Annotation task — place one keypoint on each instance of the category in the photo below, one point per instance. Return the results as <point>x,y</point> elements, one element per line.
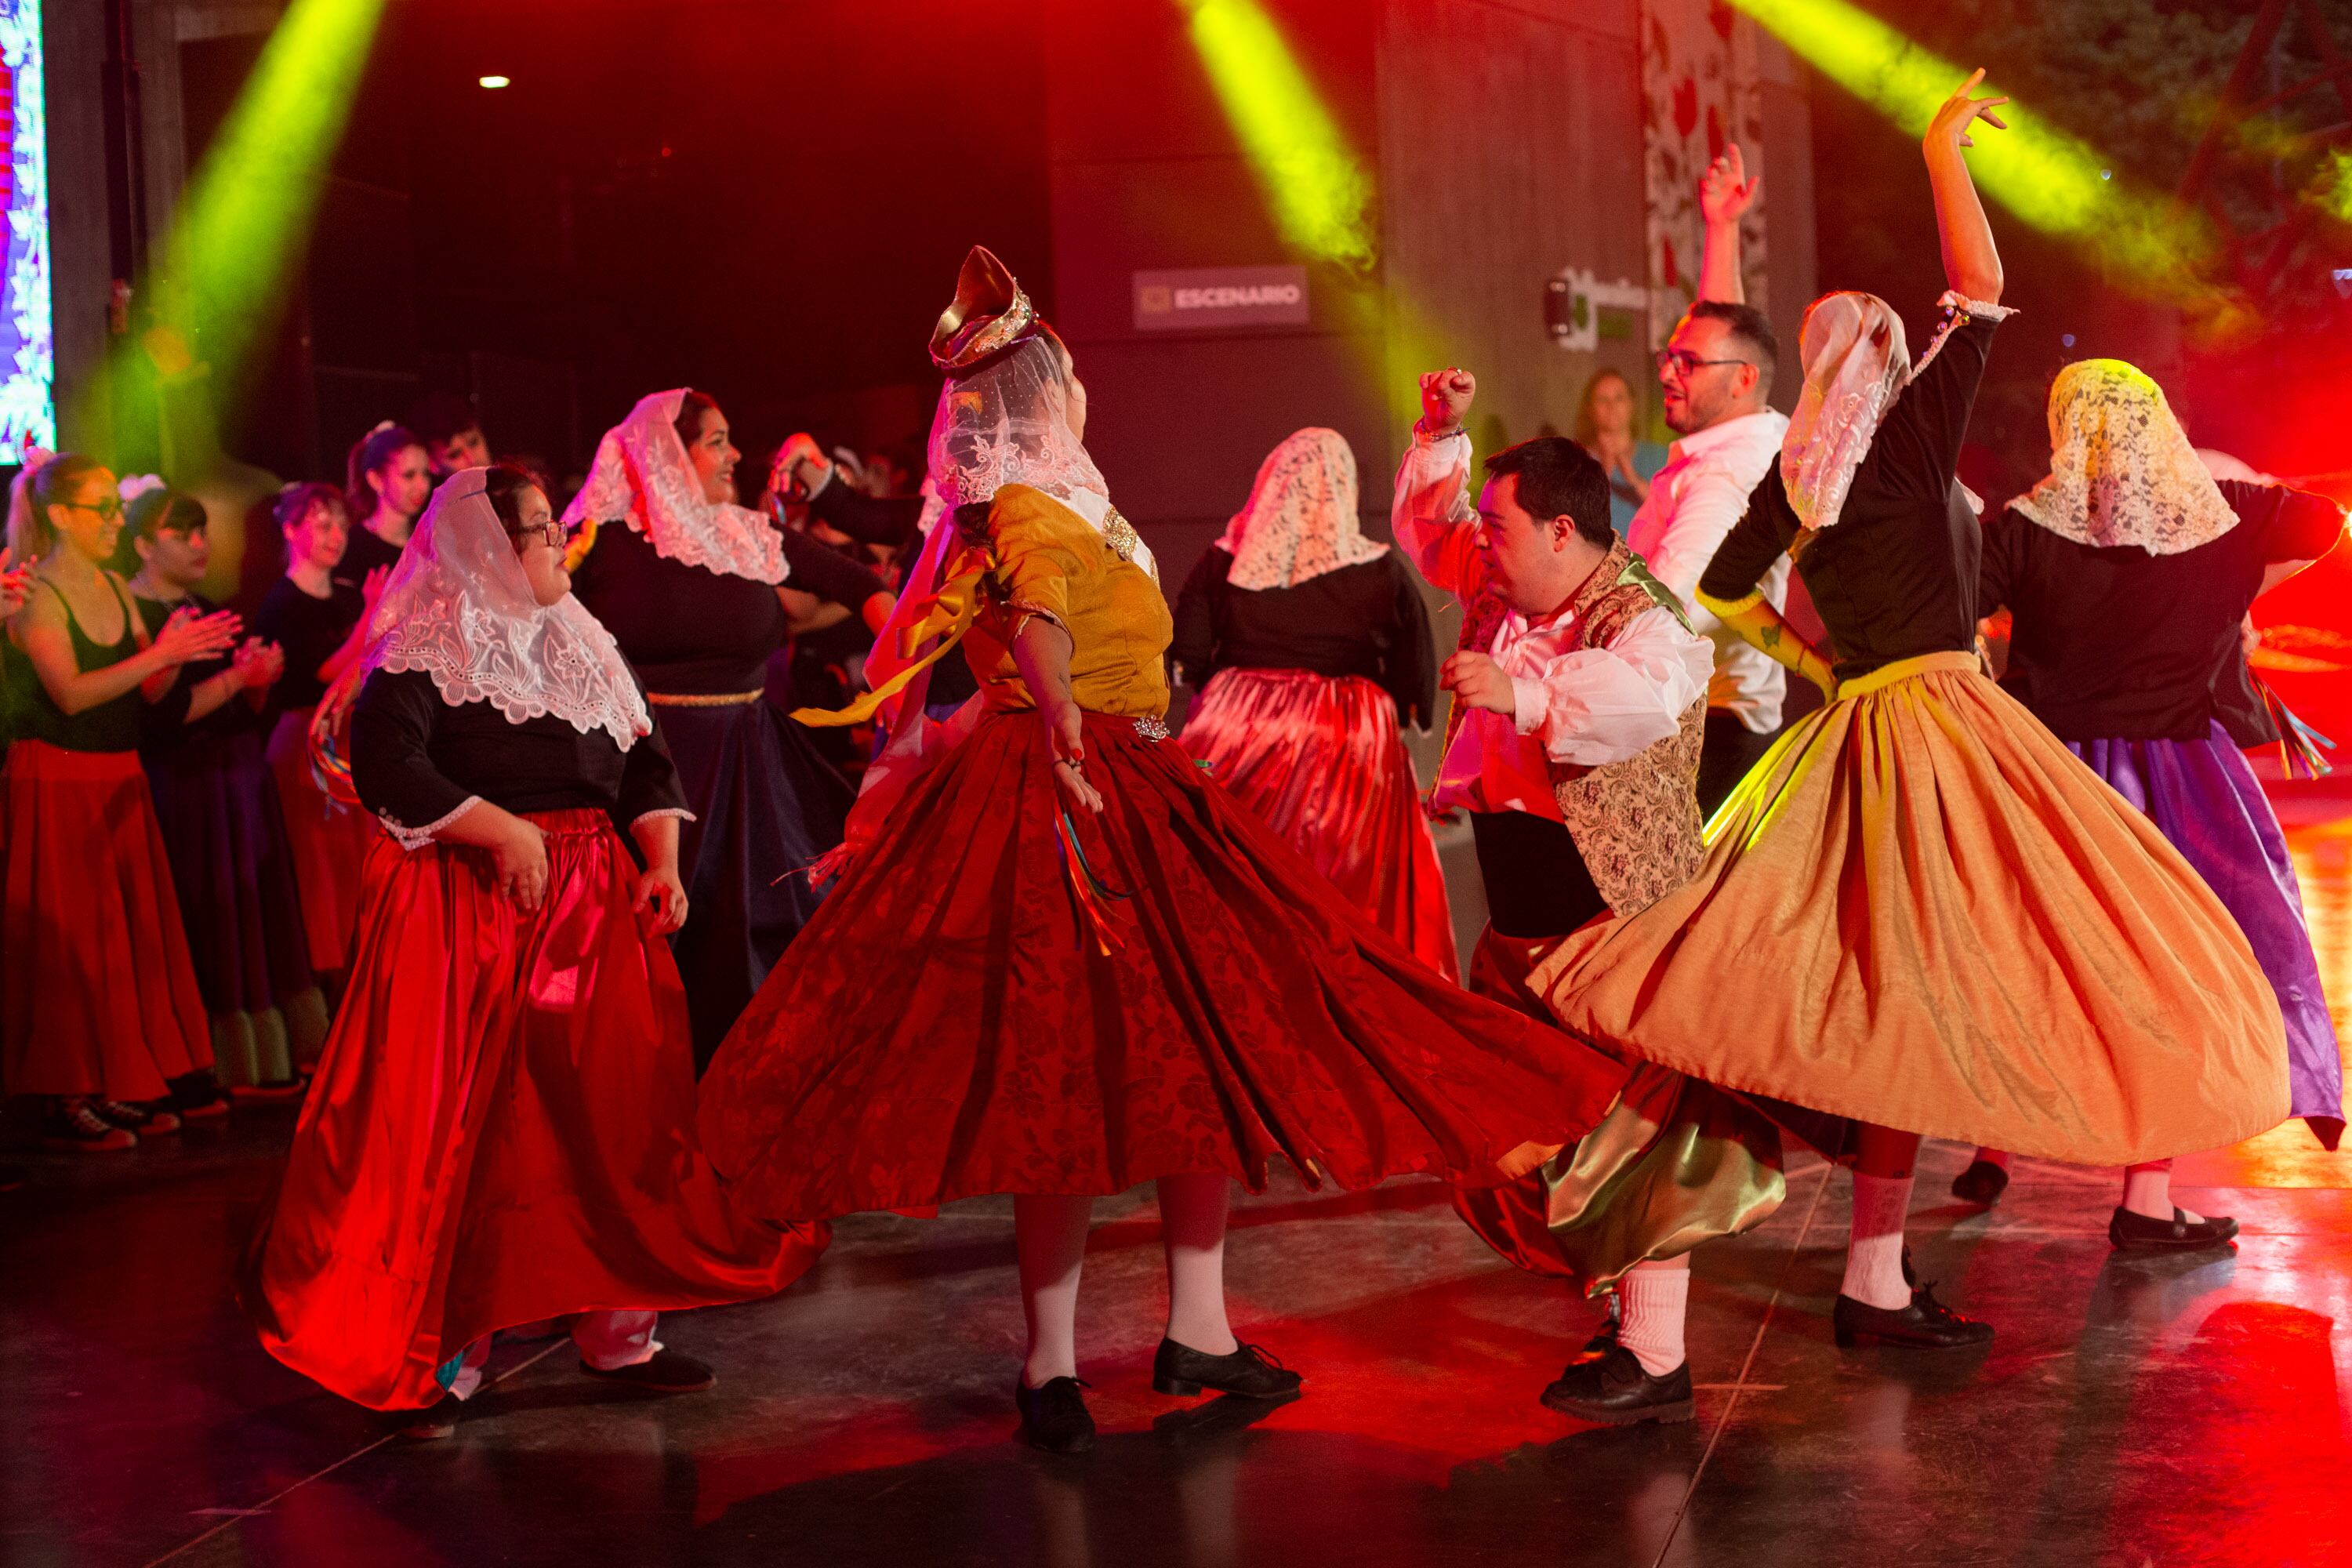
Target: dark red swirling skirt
<point>1319,759</point>
<point>502,1130</point>
<point>948,1025</point>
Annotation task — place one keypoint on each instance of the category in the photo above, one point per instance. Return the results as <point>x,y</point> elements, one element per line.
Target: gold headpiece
<point>988,312</point>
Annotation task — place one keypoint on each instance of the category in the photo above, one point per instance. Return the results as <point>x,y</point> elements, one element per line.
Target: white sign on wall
<point>1223,297</point>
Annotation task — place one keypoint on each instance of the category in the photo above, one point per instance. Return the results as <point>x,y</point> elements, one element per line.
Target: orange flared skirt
<point>1921,910</point>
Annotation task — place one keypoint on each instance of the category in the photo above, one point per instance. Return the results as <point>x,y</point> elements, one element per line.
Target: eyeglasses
<point>1682,363</point>
<point>552,534</point>
<point>107,509</point>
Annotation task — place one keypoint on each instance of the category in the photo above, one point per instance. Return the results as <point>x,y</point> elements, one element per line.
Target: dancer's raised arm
<point>1971,264</point>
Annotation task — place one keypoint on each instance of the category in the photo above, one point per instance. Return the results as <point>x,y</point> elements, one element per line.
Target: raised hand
<point>1445,397</point>
<point>187,635</point>
<point>1950,126</point>
<point>372,590</point>
<point>15,583</point>
<point>1725,191</point>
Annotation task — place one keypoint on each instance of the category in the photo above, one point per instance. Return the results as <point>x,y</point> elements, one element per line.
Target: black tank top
<point>109,727</point>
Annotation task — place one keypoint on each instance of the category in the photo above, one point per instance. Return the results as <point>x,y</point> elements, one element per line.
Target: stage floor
<point>2164,1414</point>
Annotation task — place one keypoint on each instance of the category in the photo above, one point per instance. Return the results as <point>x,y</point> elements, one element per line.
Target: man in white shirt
<point>1715,374</point>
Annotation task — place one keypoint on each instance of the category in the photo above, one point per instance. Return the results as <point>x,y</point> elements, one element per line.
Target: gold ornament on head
<point>988,312</point>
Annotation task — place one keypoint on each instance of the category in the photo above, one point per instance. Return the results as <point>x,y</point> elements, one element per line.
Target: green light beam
<point>1316,188</point>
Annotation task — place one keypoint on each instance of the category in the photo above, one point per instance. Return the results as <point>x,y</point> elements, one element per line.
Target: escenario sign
<point>1221,297</point>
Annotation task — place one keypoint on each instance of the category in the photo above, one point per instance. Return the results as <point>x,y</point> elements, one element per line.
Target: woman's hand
<point>187,637</point>
<point>1950,126</point>
<point>16,585</point>
<point>1067,728</point>
<point>659,901</point>
<point>520,856</point>
<point>251,666</point>
<point>371,591</point>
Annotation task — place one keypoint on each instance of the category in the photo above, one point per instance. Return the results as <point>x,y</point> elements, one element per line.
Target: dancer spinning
<point>502,1130</point>
<point>1309,644</point>
<point>1070,963</point>
<point>2127,572</point>
<point>100,1008</point>
<point>695,588</point>
<point>221,820</point>
<point>1920,911</point>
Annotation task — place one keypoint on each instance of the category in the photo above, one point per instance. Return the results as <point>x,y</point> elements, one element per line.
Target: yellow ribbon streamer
<point>947,616</point>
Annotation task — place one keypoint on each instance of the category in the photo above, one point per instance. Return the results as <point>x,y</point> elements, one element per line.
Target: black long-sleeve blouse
<point>308,631</point>
<point>164,725</point>
<point>692,631</point>
<point>416,759</point>
<point>2116,644</point>
<point>1896,576</point>
<point>870,520</point>
<point>1367,620</point>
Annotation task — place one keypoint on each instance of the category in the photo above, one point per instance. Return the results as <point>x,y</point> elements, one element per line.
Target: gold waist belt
<point>704,699</point>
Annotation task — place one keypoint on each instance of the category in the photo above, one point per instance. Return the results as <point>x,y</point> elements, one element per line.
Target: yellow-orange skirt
<point>1920,910</point>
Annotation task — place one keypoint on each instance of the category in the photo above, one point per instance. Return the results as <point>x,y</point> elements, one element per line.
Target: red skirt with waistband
<point>502,1130</point>
<point>98,995</point>
<point>1318,758</point>
<point>329,841</point>
<point>983,1008</point>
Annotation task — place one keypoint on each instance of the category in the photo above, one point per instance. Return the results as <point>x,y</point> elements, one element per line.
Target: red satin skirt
<point>330,842</point>
<point>955,1021</point>
<point>502,1130</point>
<point>1319,759</point>
<point>98,995</point>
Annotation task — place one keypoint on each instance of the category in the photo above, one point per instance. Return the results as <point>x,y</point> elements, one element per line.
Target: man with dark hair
<point>451,431</point>
<point>1714,372</point>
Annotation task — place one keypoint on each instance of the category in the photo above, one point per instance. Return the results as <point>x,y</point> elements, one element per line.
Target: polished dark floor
<point>2143,1415</point>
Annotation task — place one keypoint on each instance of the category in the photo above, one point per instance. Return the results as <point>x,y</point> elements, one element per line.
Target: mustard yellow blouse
<point>1049,562</point>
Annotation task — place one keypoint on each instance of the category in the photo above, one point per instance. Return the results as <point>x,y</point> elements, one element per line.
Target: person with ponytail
<point>100,1009</point>
<point>389,479</point>
<point>223,826</point>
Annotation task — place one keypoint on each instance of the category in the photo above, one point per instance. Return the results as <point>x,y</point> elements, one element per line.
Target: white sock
<point>1874,1255</point>
<point>2148,1191</point>
<point>1652,1300</point>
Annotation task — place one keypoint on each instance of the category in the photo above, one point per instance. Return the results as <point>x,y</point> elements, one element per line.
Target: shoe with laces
<point>74,1126</point>
<point>1250,1371</point>
<point>146,1118</point>
<point>1055,1417</point>
<point>1613,1389</point>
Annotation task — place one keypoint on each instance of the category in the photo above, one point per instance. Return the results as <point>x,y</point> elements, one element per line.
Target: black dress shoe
<point>2130,1232</point>
<point>1249,1372</point>
<point>667,1373</point>
<point>1926,1324</point>
<point>1055,1417</point>
<point>1982,1183</point>
<point>1613,1390</point>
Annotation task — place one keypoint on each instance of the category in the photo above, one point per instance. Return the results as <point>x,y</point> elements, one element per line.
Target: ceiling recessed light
<point>494,81</point>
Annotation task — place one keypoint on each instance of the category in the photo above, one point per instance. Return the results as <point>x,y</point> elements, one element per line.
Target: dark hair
<point>441,415</point>
<point>1588,428</point>
<point>690,410</point>
<point>1559,479</point>
<point>295,501</point>
<point>504,483</point>
<point>369,454</point>
<point>1751,326</point>
<point>28,522</point>
<point>161,510</point>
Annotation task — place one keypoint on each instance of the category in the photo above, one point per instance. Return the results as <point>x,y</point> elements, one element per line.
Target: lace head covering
<point>1300,520</point>
<point>1007,422</point>
<point>460,608</point>
<point>2121,469</point>
<point>1855,363</point>
<point>643,474</point>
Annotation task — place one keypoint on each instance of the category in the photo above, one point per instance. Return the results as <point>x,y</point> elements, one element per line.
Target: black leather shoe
<point>2130,1232</point>
<point>1250,1371</point>
<point>1982,1183</point>
<point>1613,1390</point>
<point>1926,1324</point>
<point>1055,1417</point>
<point>667,1373</point>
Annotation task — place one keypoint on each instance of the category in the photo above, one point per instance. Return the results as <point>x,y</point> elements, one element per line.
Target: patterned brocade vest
<point>1636,822</point>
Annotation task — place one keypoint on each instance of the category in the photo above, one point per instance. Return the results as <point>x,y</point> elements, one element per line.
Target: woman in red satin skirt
<point>1307,644</point>
<point>501,1129</point>
<point>99,1005</point>
<point>1070,963</point>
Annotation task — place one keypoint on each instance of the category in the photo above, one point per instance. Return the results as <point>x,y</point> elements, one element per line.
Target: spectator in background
<point>389,478</point>
<point>1604,427</point>
<point>451,431</point>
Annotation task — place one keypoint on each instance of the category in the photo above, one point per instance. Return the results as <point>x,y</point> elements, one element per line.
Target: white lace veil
<point>1300,520</point>
<point>460,608</point>
<point>1857,362</point>
<point>1008,423</point>
<point>643,474</point>
<point>2121,469</point>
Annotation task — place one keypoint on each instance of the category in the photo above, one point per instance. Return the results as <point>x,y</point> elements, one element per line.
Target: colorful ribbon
<point>1086,889</point>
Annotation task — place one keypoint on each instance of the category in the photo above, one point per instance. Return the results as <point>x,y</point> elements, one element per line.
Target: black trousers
<point>1537,884</point>
<point>1729,750</point>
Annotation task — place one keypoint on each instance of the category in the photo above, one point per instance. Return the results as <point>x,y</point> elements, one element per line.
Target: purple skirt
<point>2204,798</point>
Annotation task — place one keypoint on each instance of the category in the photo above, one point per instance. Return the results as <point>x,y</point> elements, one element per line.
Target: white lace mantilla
<point>643,475</point>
